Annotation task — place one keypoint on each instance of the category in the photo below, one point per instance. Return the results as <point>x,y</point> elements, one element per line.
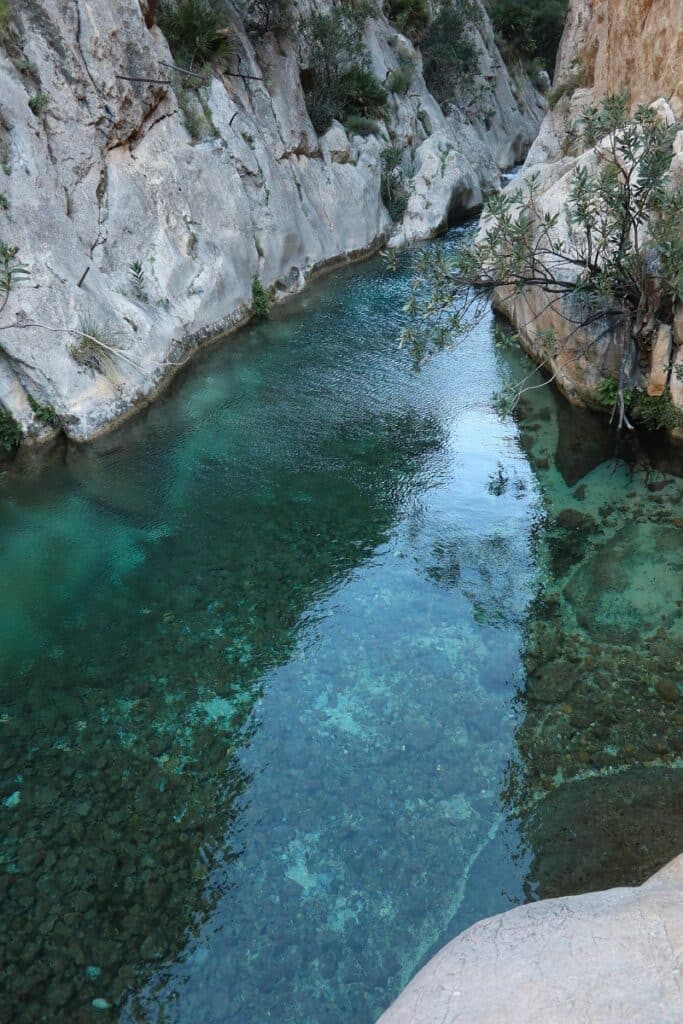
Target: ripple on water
<point>295,668</point>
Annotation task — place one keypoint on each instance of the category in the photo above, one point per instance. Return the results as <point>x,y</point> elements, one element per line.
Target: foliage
<point>12,271</point>
<point>338,82</point>
<point>4,21</point>
<point>196,31</point>
<point>44,413</point>
<point>394,186</point>
<point>656,413</point>
<point>356,124</point>
<point>10,431</point>
<point>529,29</point>
<point>575,80</point>
<point>625,231</point>
<point>399,79</point>
<point>4,202</point>
<point>38,103</point>
<point>263,16</point>
<point>136,276</point>
<point>450,56</point>
<point>260,300</point>
<point>412,17</point>
<point>90,351</point>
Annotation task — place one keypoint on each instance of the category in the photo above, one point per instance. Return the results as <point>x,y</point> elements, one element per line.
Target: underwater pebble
<point>101,1004</point>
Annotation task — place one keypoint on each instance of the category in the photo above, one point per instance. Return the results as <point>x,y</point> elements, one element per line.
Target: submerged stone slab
<point>607,957</point>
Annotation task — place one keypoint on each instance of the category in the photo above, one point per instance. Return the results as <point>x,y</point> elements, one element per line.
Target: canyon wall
<point>106,161</point>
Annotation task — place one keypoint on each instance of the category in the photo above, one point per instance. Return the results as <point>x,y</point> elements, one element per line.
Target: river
<point>316,662</point>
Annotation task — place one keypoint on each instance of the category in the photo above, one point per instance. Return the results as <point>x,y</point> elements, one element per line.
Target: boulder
<point>607,957</point>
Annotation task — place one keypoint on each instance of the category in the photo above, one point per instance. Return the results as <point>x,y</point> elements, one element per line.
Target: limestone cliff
<point>100,171</point>
<point>607,46</point>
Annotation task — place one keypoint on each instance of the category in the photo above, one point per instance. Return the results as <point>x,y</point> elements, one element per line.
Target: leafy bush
<point>411,17</point>
<point>260,300</point>
<point>623,268</point>
<point>355,124</point>
<point>656,413</point>
<point>10,431</point>
<point>338,82</point>
<point>196,31</point>
<point>362,93</point>
<point>38,103</point>
<point>529,29</point>
<point>4,202</point>
<point>394,185</point>
<point>399,79</point>
<point>44,413</point>
<point>264,16</point>
<point>450,55</point>
<point>4,21</point>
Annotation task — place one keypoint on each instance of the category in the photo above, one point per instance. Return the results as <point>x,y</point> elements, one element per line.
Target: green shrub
<point>10,431</point>
<point>356,124</point>
<point>362,93</point>
<point>4,202</point>
<point>4,21</point>
<point>656,413</point>
<point>411,17</point>
<point>88,351</point>
<point>394,186</point>
<point>529,29</point>
<point>399,79</point>
<point>338,82</point>
<point>44,413</point>
<point>38,103</point>
<point>196,31</point>
<point>450,55</point>
<point>260,300</point>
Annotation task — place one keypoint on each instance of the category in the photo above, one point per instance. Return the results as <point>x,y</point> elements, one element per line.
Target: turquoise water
<point>316,662</point>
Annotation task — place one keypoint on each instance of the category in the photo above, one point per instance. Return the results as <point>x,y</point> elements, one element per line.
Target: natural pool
<point>318,661</point>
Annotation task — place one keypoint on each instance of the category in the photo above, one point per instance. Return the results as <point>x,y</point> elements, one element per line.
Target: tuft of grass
<point>399,79</point>
<point>44,413</point>
<point>196,30</point>
<point>356,124</point>
<point>88,351</point>
<point>10,431</point>
<point>260,300</point>
<point>38,103</point>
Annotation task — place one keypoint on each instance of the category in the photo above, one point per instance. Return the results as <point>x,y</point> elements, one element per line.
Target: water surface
<point>315,663</point>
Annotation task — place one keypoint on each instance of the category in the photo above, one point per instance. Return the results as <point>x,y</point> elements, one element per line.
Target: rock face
<point>99,171</point>
<point>607,46</point>
<point>607,957</point>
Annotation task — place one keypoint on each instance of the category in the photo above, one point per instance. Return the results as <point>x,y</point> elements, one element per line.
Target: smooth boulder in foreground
<point>602,958</point>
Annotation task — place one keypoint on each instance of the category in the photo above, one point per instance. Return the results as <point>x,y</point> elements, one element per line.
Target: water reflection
<point>592,789</point>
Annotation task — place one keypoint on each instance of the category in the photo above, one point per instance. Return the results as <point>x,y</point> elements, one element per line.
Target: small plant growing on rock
<point>136,276</point>
<point>44,413</point>
<point>4,202</point>
<point>91,349</point>
<point>356,124</point>
<point>196,30</point>
<point>12,271</point>
<point>260,300</point>
<point>399,79</point>
<point>394,186</point>
<point>38,103</point>
<point>411,17</point>
<point>10,431</point>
